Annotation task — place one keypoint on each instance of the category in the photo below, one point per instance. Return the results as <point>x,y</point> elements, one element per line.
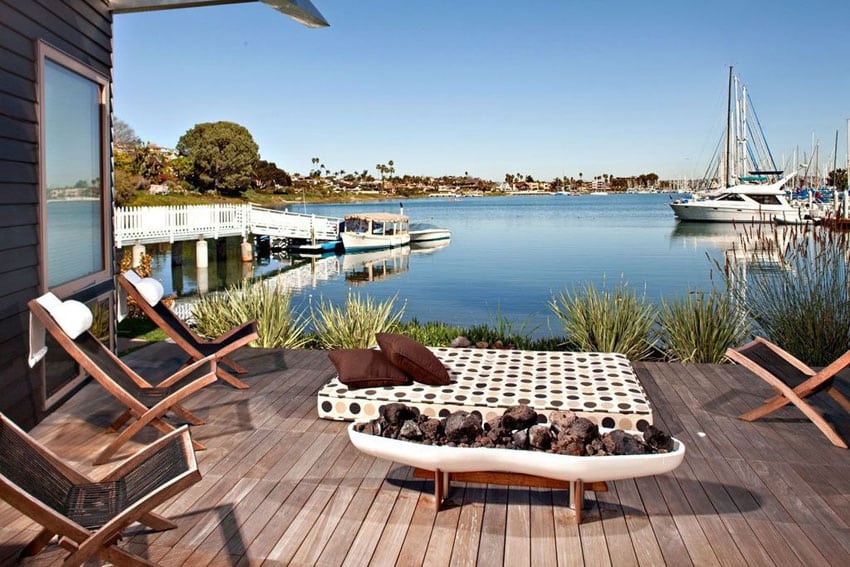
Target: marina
<point>506,255</point>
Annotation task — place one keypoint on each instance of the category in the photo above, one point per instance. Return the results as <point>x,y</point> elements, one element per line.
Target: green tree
<point>270,176</point>
<point>837,178</point>
<point>223,155</point>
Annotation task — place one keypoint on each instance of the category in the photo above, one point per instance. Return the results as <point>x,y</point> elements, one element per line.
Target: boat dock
<point>150,225</point>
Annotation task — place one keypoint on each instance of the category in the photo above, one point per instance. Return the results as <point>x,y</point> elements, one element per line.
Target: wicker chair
<point>145,402</point>
<point>195,346</point>
<point>87,515</point>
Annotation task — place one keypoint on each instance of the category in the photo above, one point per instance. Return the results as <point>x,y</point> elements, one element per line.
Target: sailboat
<point>751,187</point>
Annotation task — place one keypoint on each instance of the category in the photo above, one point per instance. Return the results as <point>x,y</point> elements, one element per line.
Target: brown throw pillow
<point>366,368</point>
<point>414,359</point>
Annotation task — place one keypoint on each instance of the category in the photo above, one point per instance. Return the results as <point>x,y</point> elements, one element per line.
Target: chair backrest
<point>93,356</point>
<point>161,315</point>
<point>23,467</point>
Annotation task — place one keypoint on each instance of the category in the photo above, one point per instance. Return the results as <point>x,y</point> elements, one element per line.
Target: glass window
<point>74,158</point>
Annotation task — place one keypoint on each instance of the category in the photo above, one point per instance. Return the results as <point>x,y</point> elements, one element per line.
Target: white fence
<point>147,225</point>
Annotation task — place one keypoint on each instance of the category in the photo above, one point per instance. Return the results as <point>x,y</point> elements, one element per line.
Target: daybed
<point>602,387</point>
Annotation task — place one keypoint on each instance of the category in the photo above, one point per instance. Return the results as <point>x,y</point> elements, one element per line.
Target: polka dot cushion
<point>600,386</point>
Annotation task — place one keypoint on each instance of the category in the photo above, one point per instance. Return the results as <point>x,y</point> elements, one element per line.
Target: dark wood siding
<point>83,30</point>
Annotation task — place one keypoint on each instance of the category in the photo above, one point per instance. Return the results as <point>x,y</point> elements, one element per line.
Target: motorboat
<point>742,203</point>
<point>424,232</point>
<point>373,231</point>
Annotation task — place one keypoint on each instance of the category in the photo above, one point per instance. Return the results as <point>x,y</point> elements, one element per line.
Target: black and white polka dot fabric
<point>600,386</point>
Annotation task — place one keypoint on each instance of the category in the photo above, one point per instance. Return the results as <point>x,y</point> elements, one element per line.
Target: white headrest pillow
<point>72,316</point>
<point>148,288</point>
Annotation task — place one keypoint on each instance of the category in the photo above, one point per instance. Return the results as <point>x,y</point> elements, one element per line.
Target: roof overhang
<point>299,10</point>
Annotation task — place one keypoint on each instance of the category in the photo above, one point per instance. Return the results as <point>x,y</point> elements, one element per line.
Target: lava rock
<point>584,429</point>
<point>520,439</point>
<point>539,437</point>
<point>658,441</point>
<point>566,444</point>
<point>461,342</point>
<point>562,420</point>
<point>482,345</point>
<point>398,413</point>
<point>463,427</point>
<point>432,429</point>
<point>519,417</point>
<point>410,430</point>
<point>618,442</point>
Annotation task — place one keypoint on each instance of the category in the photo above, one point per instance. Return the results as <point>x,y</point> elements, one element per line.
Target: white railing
<point>148,225</point>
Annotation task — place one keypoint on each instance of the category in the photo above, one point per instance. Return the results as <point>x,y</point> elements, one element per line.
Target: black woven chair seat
<point>93,505</point>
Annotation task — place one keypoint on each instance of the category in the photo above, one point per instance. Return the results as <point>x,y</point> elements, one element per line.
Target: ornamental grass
<point>355,324</point>
<point>278,325</point>
<point>604,320</point>
<point>701,326</point>
<point>794,283</point>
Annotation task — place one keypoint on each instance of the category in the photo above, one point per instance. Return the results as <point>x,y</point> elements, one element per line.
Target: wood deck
<point>282,487</point>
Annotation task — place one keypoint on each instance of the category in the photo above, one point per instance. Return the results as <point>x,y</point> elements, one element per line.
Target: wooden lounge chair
<point>145,402</point>
<point>195,346</point>
<point>793,380</point>
<point>88,515</point>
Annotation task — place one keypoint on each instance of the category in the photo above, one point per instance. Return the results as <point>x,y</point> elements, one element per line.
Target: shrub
<point>432,333</point>
<point>606,321</point>
<point>700,327</point>
<point>798,291</point>
<point>355,324</point>
<point>277,324</point>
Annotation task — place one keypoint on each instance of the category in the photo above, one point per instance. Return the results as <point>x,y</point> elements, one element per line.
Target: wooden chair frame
<point>816,382</point>
<point>194,376</point>
<point>86,543</point>
<point>195,346</point>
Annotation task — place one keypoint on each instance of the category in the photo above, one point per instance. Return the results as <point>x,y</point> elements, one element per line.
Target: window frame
<point>85,285</point>
<point>48,52</point>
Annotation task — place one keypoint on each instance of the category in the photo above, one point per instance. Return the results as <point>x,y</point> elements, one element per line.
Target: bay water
<point>506,258</point>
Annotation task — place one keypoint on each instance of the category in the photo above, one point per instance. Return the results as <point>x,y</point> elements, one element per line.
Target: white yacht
<point>425,232</point>
<point>743,203</point>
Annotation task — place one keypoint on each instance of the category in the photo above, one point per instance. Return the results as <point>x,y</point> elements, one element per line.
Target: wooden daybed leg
<point>577,497</point>
<point>438,489</point>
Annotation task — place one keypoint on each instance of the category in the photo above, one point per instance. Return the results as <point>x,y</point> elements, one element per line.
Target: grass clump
<point>701,326</point>
<point>799,292</point>
<point>606,320</point>
<point>278,325</point>
<point>355,324</point>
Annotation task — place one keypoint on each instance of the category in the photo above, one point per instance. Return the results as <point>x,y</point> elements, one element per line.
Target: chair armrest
<point>188,369</point>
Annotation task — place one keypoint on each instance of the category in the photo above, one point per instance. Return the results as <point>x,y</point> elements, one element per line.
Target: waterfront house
<point>56,176</point>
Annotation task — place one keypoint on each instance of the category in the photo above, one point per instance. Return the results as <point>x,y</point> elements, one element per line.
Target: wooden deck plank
<point>468,534</point>
<point>517,527</point>
<point>542,527</point>
<point>281,487</point>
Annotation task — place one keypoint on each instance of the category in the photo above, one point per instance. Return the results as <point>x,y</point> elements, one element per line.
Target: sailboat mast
<point>728,128</point>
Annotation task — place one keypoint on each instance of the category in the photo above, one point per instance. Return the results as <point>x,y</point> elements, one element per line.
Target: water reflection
<point>375,265</point>
<point>428,246</point>
<point>755,245</point>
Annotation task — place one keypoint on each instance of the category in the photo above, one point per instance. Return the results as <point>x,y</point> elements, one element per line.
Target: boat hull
<point>358,242</point>
<point>705,211</point>
<point>429,235</point>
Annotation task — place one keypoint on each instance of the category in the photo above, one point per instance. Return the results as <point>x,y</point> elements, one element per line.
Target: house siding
<point>83,30</point>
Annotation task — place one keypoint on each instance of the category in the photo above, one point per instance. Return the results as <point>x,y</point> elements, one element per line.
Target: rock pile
<point>519,427</point>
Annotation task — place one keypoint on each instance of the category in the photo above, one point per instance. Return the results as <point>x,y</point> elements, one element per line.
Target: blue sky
<point>546,88</point>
